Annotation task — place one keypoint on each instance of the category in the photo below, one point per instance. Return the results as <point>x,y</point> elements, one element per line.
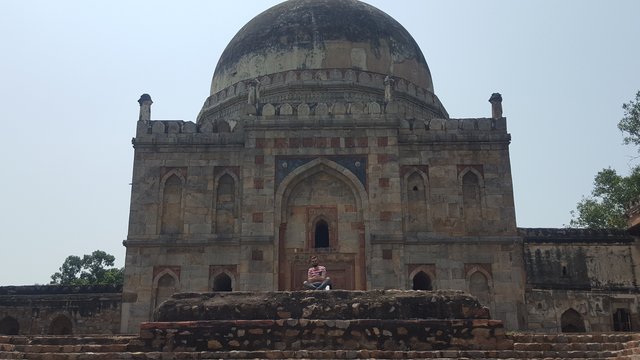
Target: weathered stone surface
<point>383,335</point>
<point>330,305</point>
<point>60,309</point>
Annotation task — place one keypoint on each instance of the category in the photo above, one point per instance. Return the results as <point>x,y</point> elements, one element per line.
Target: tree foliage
<point>609,200</point>
<point>89,270</point>
<point>630,123</point>
<point>613,193</point>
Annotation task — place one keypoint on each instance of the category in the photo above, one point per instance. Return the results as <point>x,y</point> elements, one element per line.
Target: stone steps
<point>525,346</point>
<point>574,338</point>
<point>66,339</point>
<point>325,354</point>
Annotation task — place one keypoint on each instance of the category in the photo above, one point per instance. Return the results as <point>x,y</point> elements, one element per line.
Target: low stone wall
<point>60,310</point>
<point>296,334</point>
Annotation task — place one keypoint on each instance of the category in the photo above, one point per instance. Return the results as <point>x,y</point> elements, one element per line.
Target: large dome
<point>321,34</point>
<point>319,54</point>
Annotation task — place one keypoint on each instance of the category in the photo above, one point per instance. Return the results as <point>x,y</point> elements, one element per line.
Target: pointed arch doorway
<point>321,212</point>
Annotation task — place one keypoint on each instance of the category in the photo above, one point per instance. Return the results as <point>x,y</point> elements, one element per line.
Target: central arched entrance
<point>321,213</point>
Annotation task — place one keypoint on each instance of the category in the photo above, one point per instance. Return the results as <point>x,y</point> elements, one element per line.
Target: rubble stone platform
<point>390,320</point>
<point>333,305</point>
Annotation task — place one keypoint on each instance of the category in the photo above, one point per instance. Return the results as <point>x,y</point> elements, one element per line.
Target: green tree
<point>96,268</point>
<point>630,123</point>
<point>609,200</point>
<point>613,193</point>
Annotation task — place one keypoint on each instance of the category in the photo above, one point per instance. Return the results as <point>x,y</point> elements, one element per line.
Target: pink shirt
<point>316,271</point>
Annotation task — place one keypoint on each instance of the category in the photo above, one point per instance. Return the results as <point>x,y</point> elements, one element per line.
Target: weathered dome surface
<point>321,34</point>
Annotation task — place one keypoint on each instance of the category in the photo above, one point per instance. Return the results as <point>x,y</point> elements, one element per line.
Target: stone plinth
<point>332,305</point>
<point>304,334</point>
<point>306,320</point>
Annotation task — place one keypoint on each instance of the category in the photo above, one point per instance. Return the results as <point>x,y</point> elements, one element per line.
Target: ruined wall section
<point>60,309</point>
<point>597,309</point>
<point>580,259</point>
<point>588,273</point>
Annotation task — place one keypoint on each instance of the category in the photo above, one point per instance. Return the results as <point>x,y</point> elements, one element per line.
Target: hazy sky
<point>71,73</point>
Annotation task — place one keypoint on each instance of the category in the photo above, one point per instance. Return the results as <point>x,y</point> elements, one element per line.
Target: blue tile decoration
<point>356,164</point>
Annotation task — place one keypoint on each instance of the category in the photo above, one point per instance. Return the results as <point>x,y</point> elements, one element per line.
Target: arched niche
<point>165,284</point>
<point>471,184</point>
<point>226,203</point>
<point>9,326</point>
<point>479,287</point>
<point>61,325</point>
<point>422,277</point>
<point>222,282</point>
<point>571,322</point>
<point>317,200</point>
<point>416,201</point>
<point>171,203</point>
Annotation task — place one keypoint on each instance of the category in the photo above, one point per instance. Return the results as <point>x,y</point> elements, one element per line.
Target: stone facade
<point>581,280</point>
<point>333,143</point>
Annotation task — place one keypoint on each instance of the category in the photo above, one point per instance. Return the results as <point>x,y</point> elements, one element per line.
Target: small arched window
<point>222,282</point>
<point>422,281</point>
<point>321,235</point>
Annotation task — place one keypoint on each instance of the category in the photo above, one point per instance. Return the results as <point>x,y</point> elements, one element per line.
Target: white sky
<point>71,73</point>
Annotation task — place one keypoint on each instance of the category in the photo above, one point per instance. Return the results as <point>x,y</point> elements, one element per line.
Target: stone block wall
<point>585,279</point>
<point>453,265</point>
<point>60,310</point>
<point>598,311</point>
<point>580,259</point>
<point>309,334</point>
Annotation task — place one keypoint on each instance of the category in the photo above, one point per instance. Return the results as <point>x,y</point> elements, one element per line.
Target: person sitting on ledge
<point>317,278</point>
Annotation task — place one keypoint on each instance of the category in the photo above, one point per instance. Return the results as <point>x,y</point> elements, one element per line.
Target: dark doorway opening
<point>322,234</point>
<point>621,320</point>
<point>9,326</point>
<point>571,321</point>
<point>422,281</point>
<point>222,282</point>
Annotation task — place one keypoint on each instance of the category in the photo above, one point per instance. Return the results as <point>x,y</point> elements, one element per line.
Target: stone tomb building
<point>322,135</point>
